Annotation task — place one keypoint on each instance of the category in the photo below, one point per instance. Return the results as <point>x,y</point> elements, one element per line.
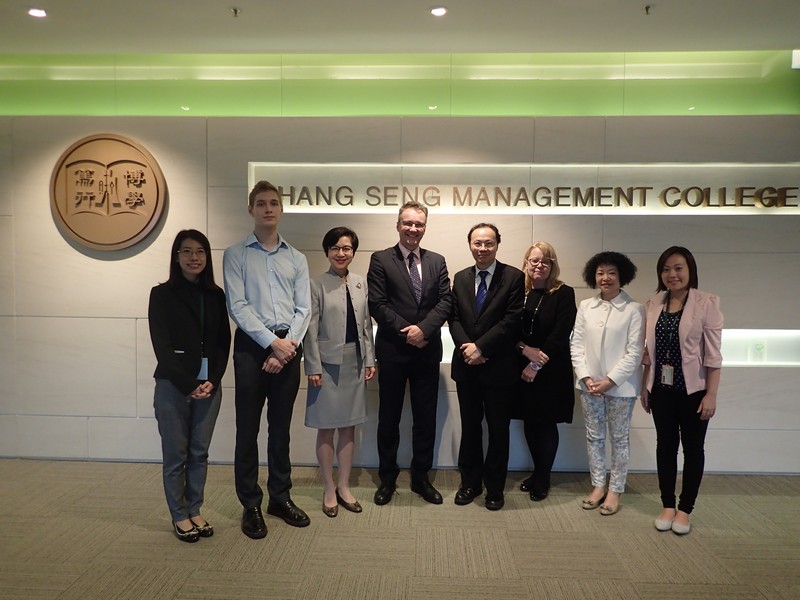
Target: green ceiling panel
<point>619,84</point>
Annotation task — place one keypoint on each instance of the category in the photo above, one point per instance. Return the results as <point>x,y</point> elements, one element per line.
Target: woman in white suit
<point>681,376</point>
<point>339,360</point>
<point>606,348</point>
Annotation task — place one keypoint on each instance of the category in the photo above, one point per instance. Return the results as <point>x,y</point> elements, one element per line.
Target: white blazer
<point>608,341</point>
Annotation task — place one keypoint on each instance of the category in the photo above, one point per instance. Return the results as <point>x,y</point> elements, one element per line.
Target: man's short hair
<point>260,187</point>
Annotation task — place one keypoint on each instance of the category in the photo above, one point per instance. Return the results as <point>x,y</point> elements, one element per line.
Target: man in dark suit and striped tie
<point>410,299</point>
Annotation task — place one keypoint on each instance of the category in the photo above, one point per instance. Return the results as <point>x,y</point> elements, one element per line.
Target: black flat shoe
<point>253,525</point>
<point>526,484</point>
<point>289,512</point>
<point>203,530</point>
<point>351,506</point>
<point>190,536</point>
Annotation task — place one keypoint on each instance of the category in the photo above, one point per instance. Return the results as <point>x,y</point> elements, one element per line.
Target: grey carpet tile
<point>128,582</point>
<point>545,588</point>
<point>444,588</point>
<point>376,551</point>
<point>566,556</point>
<point>732,516</point>
<point>464,553</point>
<point>655,556</point>
<point>32,580</point>
<point>779,591</point>
<point>756,570</point>
<point>353,586</point>
<point>682,591</point>
<point>265,584</point>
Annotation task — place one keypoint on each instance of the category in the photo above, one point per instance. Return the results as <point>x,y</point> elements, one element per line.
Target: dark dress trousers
<point>487,389</point>
<point>393,306</point>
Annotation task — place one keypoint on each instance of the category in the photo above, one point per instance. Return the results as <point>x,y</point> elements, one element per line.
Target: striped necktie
<point>416,280</point>
<point>480,297</point>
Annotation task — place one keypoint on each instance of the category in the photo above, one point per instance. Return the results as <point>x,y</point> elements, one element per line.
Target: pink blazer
<point>700,334</point>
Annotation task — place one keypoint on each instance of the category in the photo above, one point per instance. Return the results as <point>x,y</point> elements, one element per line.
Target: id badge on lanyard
<point>667,374</point>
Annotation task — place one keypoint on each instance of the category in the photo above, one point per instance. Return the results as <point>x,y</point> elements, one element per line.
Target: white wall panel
<point>75,366</point>
<point>232,142</point>
<point>564,140</point>
<point>702,139</point>
<point>7,282</point>
<point>52,437</point>
<point>443,140</point>
<point>124,439</point>
<point>83,314</point>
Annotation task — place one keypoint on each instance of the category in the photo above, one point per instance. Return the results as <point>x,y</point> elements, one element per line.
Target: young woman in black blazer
<point>191,337</point>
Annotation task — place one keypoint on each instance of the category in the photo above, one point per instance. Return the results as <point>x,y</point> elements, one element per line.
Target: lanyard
<point>672,320</point>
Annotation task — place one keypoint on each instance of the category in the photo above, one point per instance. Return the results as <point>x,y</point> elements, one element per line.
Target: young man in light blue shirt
<point>269,299</point>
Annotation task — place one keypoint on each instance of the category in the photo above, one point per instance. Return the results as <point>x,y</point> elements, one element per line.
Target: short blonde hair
<point>547,250</point>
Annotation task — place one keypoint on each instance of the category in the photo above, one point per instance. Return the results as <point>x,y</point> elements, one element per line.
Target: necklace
<point>535,310</point>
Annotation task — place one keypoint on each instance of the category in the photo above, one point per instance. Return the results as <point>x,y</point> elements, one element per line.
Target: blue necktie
<point>416,281</point>
<point>480,297</point>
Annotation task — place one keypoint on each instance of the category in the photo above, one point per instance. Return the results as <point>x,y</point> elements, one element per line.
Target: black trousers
<point>423,380</point>
<point>476,401</point>
<point>254,386</point>
<point>676,419</point>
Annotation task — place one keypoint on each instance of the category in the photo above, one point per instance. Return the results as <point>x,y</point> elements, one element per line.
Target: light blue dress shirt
<point>267,290</point>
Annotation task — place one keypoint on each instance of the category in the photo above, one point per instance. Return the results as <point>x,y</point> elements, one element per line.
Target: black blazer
<point>494,330</point>
<point>174,319</point>
<point>393,306</point>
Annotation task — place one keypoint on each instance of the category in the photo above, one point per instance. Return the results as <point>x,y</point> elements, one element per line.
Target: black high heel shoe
<point>190,536</point>
<point>203,530</point>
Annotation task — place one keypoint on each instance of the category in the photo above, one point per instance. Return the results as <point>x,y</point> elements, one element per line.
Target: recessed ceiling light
<point>39,13</point>
<point>690,108</point>
<point>438,11</point>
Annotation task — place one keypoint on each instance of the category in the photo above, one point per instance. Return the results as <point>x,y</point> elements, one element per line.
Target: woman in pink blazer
<point>682,360</point>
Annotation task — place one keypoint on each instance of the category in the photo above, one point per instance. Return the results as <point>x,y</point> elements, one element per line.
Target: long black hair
<point>206,278</point>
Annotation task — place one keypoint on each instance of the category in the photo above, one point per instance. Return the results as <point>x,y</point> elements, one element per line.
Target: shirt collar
<point>252,242</point>
<point>619,301</point>
<point>491,269</point>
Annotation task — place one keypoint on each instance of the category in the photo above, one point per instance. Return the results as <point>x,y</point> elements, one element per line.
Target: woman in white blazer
<point>683,338</point>
<point>606,348</point>
<point>339,360</point>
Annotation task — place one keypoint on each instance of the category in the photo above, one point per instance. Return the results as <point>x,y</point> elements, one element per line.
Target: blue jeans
<point>186,426</point>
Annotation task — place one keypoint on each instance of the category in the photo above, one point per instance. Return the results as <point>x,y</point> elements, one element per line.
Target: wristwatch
<point>535,366</point>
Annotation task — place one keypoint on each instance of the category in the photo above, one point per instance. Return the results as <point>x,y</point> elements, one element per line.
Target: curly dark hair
<point>625,268</point>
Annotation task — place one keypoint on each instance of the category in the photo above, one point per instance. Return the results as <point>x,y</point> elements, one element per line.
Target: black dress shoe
<point>384,494</point>
<point>537,496</point>
<point>287,511</point>
<point>253,525</point>
<point>526,484</point>
<point>190,536</point>
<point>351,506</point>
<point>204,530</point>
<point>466,495</point>
<point>495,501</point>
<point>427,491</point>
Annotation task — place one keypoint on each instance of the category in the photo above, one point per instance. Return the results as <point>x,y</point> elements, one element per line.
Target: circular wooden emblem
<point>107,192</point>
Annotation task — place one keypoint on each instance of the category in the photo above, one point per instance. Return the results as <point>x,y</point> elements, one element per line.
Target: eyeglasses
<point>342,249</point>
<point>188,253</point>
<point>410,224</point>
<point>487,245</point>
<point>544,262</point>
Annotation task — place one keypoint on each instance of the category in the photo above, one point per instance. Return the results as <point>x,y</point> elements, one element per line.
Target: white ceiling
<point>397,26</point>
